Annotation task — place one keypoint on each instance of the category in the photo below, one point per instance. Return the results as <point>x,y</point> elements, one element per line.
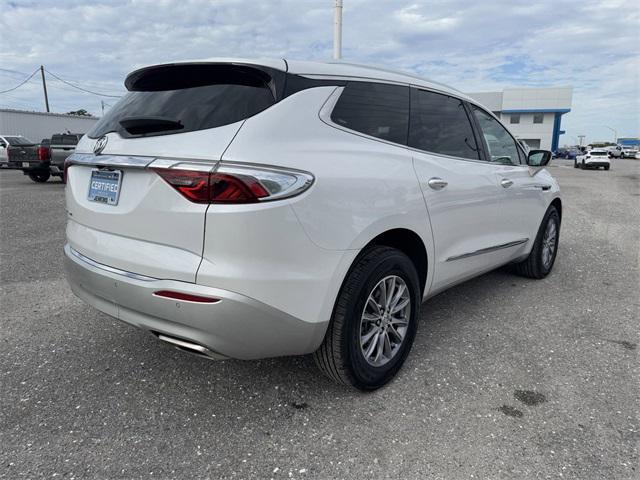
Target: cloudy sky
<point>593,46</point>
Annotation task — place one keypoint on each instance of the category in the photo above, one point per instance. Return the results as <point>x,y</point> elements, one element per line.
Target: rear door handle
<point>437,183</point>
<point>506,183</point>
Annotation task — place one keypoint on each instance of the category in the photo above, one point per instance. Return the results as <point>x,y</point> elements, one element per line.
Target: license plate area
<point>104,186</point>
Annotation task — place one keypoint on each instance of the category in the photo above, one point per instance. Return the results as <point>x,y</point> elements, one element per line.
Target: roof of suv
<point>334,70</point>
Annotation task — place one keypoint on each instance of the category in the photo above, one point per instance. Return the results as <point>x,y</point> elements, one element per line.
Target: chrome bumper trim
<point>109,269</point>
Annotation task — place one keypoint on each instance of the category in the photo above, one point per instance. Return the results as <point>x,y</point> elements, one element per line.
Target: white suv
<point>253,209</point>
<point>594,158</point>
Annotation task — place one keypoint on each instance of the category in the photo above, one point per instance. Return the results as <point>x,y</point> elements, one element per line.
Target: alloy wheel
<point>549,244</point>
<point>385,320</point>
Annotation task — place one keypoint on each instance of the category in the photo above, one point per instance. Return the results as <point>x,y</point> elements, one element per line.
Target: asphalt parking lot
<point>508,378</point>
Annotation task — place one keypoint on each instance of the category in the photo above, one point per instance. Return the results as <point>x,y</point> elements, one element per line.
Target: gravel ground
<point>508,378</point>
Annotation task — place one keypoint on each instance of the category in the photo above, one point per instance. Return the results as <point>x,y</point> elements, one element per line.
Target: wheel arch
<point>557,203</point>
<point>410,243</point>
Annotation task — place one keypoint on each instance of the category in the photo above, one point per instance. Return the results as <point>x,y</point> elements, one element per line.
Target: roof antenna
<point>337,31</point>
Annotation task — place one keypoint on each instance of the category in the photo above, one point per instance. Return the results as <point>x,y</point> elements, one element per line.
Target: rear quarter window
<point>375,109</point>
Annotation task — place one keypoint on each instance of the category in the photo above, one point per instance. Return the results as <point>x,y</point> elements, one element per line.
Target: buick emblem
<point>100,144</point>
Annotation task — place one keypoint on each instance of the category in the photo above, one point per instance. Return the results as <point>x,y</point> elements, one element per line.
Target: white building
<point>533,115</point>
<point>38,125</point>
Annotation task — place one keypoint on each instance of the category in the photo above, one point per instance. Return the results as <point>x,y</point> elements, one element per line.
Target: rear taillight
<point>236,184</point>
<point>44,154</point>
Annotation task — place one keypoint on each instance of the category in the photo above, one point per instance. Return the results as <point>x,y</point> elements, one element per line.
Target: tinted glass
<point>195,108</point>
<point>375,109</point>
<point>70,139</point>
<point>440,124</point>
<point>18,141</point>
<point>501,145</point>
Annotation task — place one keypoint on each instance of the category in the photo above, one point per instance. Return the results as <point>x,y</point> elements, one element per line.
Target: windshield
<point>18,141</point>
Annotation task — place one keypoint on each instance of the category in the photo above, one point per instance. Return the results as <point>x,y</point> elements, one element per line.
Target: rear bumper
<point>237,326</point>
<point>597,164</point>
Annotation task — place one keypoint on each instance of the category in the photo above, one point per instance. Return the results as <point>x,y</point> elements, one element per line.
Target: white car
<point>614,151</point>
<point>629,152</point>
<point>594,158</point>
<point>254,209</point>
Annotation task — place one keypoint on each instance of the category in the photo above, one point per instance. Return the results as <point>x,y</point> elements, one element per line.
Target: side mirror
<point>538,158</point>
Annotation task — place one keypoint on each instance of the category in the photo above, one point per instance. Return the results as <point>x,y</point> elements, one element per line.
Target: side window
<point>376,109</point>
<point>440,124</point>
<point>514,119</point>
<point>501,145</point>
<point>2,144</point>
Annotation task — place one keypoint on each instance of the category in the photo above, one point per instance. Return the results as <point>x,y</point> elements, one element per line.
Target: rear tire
<point>607,167</point>
<point>39,177</point>
<point>350,353</point>
<point>575,164</point>
<point>540,261</point>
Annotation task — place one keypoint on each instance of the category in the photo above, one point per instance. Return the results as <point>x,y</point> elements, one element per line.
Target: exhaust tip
<point>189,347</point>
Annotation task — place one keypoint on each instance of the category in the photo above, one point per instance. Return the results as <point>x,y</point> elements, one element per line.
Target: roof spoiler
<point>175,76</point>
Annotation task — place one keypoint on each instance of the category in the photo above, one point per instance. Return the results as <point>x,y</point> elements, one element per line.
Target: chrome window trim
<point>327,108</point>
<point>488,249</point>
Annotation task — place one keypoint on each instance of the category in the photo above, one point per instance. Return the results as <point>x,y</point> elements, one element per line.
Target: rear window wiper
<point>148,124</point>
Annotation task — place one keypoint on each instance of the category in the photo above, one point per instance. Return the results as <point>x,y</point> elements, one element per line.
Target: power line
<point>80,88</point>
<point>23,82</point>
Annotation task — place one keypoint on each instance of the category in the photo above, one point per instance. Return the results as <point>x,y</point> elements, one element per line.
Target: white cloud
<point>592,45</point>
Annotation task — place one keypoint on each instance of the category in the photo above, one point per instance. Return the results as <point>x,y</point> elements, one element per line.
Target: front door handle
<point>437,183</point>
<point>506,183</point>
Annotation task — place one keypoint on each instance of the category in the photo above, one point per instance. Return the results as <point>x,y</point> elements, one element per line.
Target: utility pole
<point>44,86</point>
<point>337,31</point>
<point>615,133</point>
<point>581,137</point>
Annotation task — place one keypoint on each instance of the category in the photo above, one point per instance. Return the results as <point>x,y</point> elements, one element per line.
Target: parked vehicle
<point>60,146</point>
<point>614,151</point>
<point>595,158</point>
<point>20,153</point>
<point>568,153</point>
<point>628,152</point>
<point>256,209</point>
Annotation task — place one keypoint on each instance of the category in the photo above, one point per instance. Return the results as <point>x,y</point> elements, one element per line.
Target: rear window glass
<point>376,109</point>
<point>184,99</point>
<point>598,154</point>
<point>18,141</point>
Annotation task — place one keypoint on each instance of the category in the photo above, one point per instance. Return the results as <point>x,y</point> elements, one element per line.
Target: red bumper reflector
<point>185,296</point>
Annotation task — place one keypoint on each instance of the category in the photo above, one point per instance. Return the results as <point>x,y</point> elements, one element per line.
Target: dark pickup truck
<point>60,146</point>
<point>20,153</point>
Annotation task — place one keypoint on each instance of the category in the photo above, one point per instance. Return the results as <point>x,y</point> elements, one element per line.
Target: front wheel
<point>543,254</point>
<point>39,176</point>
<point>374,321</point>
